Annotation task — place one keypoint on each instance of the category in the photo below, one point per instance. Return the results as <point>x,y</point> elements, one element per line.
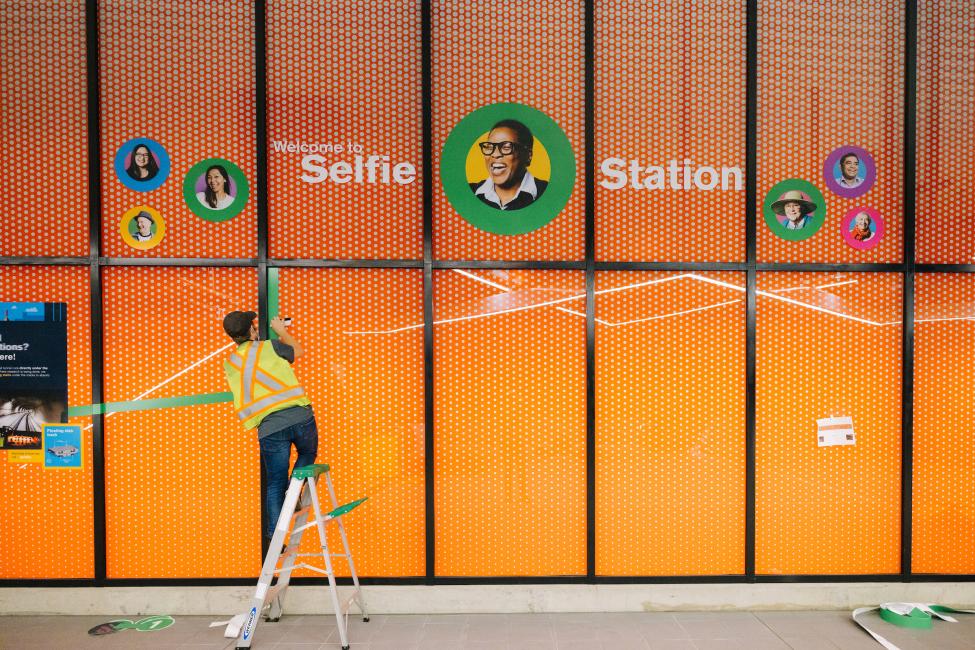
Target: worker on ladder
<point>267,396</point>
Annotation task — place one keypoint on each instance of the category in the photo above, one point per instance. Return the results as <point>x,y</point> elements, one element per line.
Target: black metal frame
<point>751,267</point>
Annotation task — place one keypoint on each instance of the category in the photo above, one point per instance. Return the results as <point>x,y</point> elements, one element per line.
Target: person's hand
<point>277,324</point>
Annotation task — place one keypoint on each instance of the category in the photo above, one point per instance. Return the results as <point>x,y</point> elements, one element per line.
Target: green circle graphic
<point>453,172</point>
<point>815,222</point>
<point>238,180</point>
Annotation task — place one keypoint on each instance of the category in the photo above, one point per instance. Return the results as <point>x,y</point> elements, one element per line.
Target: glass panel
<point>831,90</point>
<point>510,423</point>
<point>58,539</point>
<point>945,139</point>
<point>345,145</point>
<point>943,495</point>
<point>670,423</point>
<point>181,483</point>
<point>362,330</point>
<point>43,126</point>
<point>484,54</point>
<point>177,91</point>
<point>828,408</point>
<point>670,131</point>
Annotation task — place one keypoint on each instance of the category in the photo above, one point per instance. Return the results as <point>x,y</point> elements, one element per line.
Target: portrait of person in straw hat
<point>796,208</point>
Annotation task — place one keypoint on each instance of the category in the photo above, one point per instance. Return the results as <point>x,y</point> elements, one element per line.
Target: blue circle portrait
<point>142,164</point>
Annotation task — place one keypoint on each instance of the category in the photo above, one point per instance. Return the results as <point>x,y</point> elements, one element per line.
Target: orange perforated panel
<point>670,86</point>
<point>181,74</point>
<point>943,496</point>
<point>340,74</point>
<point>830,75</point>
<point>46,516</point>
<point>182,485</point>
<point>490,52</point>
<point>828,345</point>
<point>510,423</point>
<point>670,423</point>
<point>945,140</point>
<point>362,330</point>
<point>43,127</point>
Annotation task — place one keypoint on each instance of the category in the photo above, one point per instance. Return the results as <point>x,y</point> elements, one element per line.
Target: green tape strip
<point>272,298</point>
<point>150,404</point>
<point>916,619</point>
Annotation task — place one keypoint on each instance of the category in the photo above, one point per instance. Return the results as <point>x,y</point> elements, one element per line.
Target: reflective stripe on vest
<point>256,391</point>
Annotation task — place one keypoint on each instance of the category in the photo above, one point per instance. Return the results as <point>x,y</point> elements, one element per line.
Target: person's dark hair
<point>151,167</point>
<point>522,132</point>
<point>210,195</point>
<point>847,155</point>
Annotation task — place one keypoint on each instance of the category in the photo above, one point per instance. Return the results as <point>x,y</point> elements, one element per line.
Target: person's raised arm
<point>277,324</point>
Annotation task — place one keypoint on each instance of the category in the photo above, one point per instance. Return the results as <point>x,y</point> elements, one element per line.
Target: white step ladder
<point>271,597</point>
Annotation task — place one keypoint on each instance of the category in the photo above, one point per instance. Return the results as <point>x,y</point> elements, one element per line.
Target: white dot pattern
<point>182,485</point>
<point>189,87</point>
<point>341,72</point>
<point>510,424</point>
<point>945,140</point>
<point>831,74</point>
<point>670,424</point>
<point>670,85</point>
<point>367,393</point>
<point>481,56</point>
<point>44,129</point>
<point>828,510</point>
<point>943,497</point>
<point>52,542</point>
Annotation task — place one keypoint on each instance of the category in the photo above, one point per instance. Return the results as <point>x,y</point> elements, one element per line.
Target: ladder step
<point>341,510</point>
<point>309,471</point>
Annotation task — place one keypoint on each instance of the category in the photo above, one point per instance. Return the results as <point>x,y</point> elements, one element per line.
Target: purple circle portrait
<point>849,171</point>
<point>862,228</point>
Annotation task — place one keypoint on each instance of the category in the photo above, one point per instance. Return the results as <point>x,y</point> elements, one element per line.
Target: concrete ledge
<point>477,599</point>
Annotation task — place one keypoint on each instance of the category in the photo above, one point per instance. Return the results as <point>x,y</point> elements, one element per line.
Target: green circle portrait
<point>794,209</point>
<point>500,182</point>
<point>215,189</point>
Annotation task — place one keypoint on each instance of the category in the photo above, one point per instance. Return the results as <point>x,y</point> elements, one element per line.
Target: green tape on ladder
<point>341,510</point>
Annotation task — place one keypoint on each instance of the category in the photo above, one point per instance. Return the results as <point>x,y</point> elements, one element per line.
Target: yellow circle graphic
<point>129,227</point>
<point>540,167</point>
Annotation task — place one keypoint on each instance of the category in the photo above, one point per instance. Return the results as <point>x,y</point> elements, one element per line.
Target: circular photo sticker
<point>794,209</point>
<point>849,171</point>
<point>142,227</point>
<point>142,164</point>
<point>215,190</point>
<point>862,228</point>
<point>507,169</point>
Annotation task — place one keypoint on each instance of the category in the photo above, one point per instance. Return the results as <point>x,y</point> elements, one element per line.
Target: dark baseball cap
<point>237,324</point>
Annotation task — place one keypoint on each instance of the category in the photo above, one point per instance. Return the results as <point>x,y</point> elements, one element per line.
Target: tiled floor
<point>649,631</point>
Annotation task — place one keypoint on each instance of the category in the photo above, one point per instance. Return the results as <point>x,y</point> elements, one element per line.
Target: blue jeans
<point>275,455</point>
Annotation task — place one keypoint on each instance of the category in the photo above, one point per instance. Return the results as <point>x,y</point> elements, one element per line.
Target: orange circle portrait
<point>142,227</point>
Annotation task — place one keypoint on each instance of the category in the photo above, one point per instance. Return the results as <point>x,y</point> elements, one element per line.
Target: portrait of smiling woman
<point>507,153</point>
<point>143,166</point>
<point>217,194</point>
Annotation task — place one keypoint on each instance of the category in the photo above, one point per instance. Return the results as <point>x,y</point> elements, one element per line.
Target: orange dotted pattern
<point>945,140</point>
<point>46,516</point>
<point>184,77</point>
<point>510,423</point>
<point>826,351</point>
<point>670,85</point>
<point>943,500</point>
<point>831,74</point>
<point>182,485</point>
<point>670,423</point>
<point>324,63</point>
<point>490,52</point>
<point>44,129</point>
<point>363,371</point>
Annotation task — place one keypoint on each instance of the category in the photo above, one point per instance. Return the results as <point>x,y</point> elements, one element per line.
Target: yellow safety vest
<point>262,382</point>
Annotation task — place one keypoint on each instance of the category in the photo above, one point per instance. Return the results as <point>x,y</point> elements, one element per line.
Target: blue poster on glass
<point>33,372</point>
<point>62,446</point>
